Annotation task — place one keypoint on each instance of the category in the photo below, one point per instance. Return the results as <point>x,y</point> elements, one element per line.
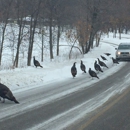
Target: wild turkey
<point>115,61</point>
<point>92,73</point>
<point>104,58</point>
<point>36,63</point>
<point>74,70</point>
<point>97,67</point>
<point>83,67</point>
<point>6,93</point>
<point>107,54</point>
<point>102,63</point>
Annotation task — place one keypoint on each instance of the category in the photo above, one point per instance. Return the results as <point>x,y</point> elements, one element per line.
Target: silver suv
<point>123,52</point>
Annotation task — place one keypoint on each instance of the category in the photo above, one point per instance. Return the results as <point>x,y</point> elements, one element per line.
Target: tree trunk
<point>120,32</point>
<point>16,61</point>
<point>71,50</point>
<point>29,54</point>
<point>82,46</point>
<point>42,47</point>
<point>98,37</point>
<point>50,42</point>
<point>30,45</point>
<point>88,44</point>
<point>2,42</point>
<point>17,56</point>
<point>33,24</point>
<point>92,39</point>
<point>58,38</point>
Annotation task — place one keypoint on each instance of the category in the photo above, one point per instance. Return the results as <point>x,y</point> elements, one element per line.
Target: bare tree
<point>5,11</point>
<point>20,13</point>
<point>34,12</point>
<point>59,10</point>
<point>50,6</point>
<point>95,16</point>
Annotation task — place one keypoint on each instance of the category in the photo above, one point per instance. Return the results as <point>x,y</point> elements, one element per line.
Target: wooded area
<point>89,18</point>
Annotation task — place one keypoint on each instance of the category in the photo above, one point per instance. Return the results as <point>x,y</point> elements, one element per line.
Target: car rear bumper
<point>123,57</point>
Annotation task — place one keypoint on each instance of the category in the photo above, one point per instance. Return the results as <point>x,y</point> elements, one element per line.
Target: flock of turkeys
<point>6,93</point>
<point>97,66</point>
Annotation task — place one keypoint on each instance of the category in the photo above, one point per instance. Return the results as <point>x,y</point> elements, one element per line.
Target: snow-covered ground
<point>21,79</point>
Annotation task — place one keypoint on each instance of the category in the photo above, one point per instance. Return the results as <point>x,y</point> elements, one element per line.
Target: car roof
<point>126,43</point>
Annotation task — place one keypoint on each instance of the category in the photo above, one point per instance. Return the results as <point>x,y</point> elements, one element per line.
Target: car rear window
<point>124,47</point>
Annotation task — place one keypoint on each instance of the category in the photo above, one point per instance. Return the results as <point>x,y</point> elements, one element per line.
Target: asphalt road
<point>58,105</point>
<point>114,115</point>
